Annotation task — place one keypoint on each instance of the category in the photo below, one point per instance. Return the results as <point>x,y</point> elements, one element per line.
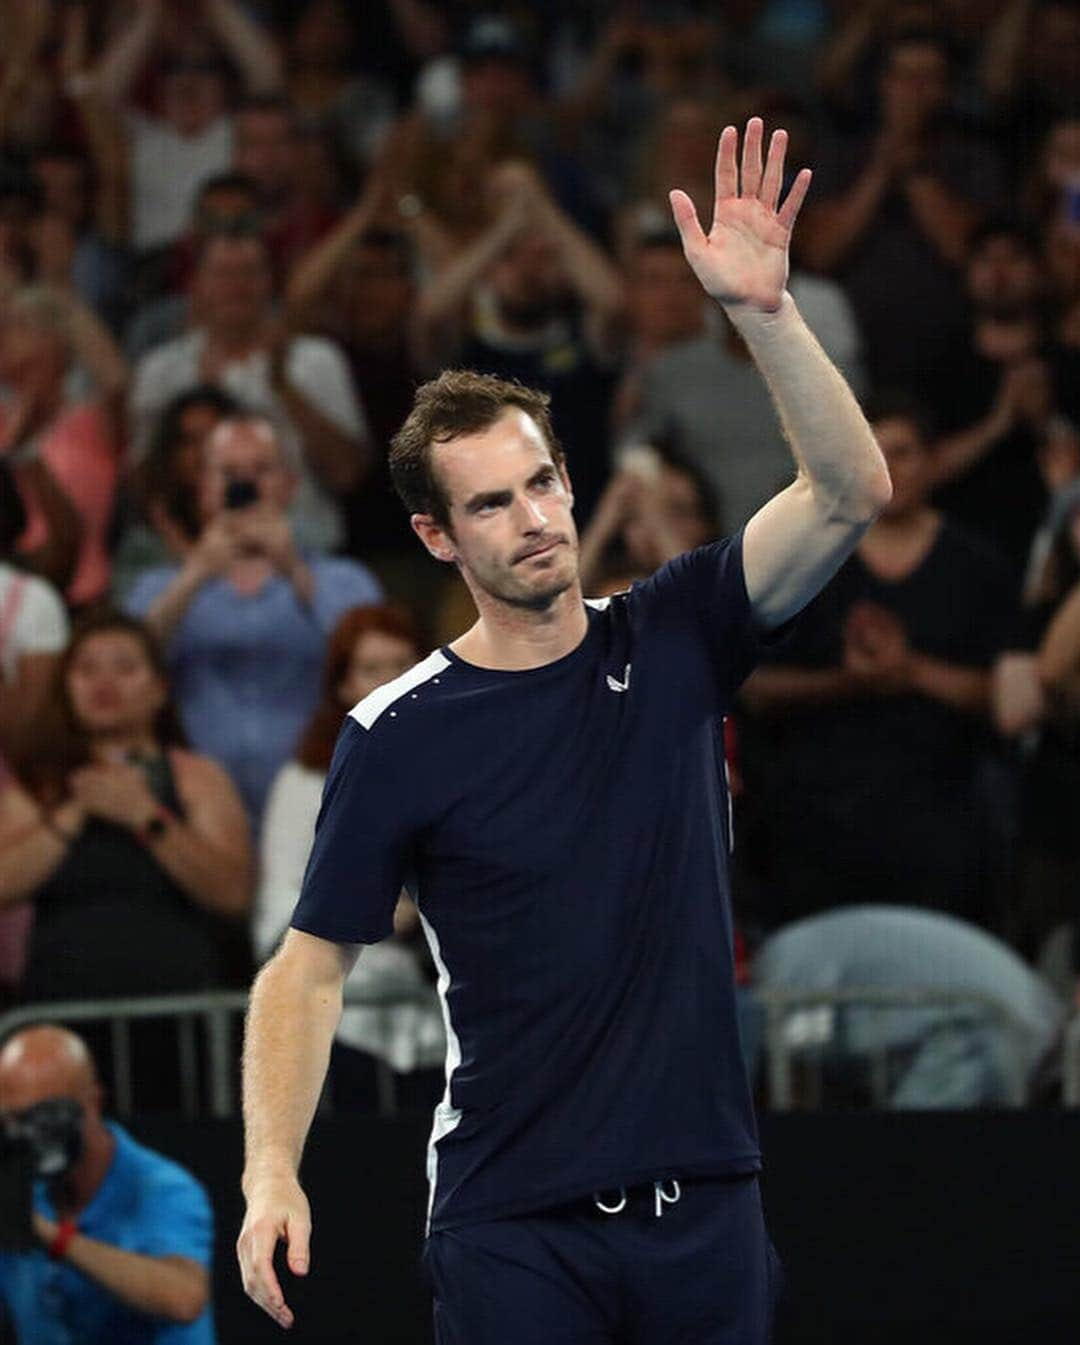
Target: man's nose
<point>532,516</point>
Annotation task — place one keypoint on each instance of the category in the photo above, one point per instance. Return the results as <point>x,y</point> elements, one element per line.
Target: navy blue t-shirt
<point>564,831</point>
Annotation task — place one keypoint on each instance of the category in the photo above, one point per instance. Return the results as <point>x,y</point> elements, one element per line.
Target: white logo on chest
<point>615,685</point>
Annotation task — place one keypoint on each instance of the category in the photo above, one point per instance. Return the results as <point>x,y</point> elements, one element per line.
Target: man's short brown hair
<point>457,403</point>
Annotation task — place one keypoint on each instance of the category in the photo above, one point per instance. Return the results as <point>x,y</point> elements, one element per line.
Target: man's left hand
<point>743,260</point>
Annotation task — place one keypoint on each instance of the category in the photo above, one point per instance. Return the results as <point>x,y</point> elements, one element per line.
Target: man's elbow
<point>868,497</point>
<point>188,1302</point>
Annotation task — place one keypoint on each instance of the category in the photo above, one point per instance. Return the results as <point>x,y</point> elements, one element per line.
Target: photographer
<point>124,1235</point>
<point>245,617</point>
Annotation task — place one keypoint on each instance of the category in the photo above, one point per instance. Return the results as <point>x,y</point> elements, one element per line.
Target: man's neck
<point>514,639</point>
<point>82,1183</point>
<point>235,342</point>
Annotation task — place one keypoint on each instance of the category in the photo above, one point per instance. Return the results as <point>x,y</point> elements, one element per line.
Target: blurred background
<point>234,237</point>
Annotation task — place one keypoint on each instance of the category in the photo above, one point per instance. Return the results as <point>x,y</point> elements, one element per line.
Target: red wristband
<point>64,1233</point>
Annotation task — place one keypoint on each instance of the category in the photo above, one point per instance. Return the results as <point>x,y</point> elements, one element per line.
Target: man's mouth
<point>541,550</point>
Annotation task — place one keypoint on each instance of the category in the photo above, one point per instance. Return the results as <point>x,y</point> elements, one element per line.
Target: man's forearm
<point>964,689</point>
<point>248,44</point>
<point>340,460</point>
<point>166,613</point>
<point>778,690</point>
<point>833,445</point>
<point>148,1284</point>
<point>290,1028</point>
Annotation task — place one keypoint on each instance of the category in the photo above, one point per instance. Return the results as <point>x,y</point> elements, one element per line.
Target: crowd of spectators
<point>234,237</point>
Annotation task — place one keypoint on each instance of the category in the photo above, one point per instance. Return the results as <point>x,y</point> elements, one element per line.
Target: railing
<point>217,1011</point>
<point>780,1049</point>
<point>1071,1066</point>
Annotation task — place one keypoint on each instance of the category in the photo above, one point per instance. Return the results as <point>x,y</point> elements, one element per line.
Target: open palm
<point>744,257</point>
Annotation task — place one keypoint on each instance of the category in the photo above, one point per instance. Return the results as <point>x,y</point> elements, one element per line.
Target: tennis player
<point>551,789</point>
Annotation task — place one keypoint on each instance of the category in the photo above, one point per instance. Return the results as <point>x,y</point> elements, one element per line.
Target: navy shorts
<point>696,1270</point>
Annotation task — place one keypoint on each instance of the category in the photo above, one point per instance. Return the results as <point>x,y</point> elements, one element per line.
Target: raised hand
<point>743,260</point>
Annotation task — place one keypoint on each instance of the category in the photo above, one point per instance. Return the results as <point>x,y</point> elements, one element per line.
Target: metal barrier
<point>1071,1069</point>
<point>218,1009</point>
<point>779,1005</point>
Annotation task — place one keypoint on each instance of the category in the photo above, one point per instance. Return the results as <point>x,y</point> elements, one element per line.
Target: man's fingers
<point>751,157</point>
<point>298,1235</point>
<point>774,170</point>
<point>256,1254</point>
<point>686,221</point>
<point>795,197</point>
<point>727,172</point>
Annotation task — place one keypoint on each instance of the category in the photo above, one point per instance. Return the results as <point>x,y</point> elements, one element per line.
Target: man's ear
<point>435,537</point>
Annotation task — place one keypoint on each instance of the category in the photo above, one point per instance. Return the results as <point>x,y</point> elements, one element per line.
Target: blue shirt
<point>146,1204</point>
<point>564,830</point>
<point>247,668</point>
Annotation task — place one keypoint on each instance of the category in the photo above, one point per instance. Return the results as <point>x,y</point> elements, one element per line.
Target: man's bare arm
<point>293,1015</point>
<point>799,539</point>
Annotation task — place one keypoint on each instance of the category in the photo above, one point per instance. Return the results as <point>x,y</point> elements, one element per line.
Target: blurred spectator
<point>190,138</point>
<point>267,150</point>
<point>684,384</point>
<point>995,393</point>
<point>938,1056</point>
<point>653,509</point>
<point>31,102</point>
<point>892,209</point>
<point>226,203</point>
<point>66,454</point>
<point>1036,703</point>
<point>245,618</point>
<point>1062,251</point>
<point>33,625</point>
<point>302,381</point>
<point>1031,70</point>
<point>163,523</point>
<point>664,305</point>
<point>863,735</point>
<point>77,242</point>
<point>533,299</point>
<point>358,286</point>
<point>1054,181</point>
<point>323,46</point>
<point>137,1266</point>
<point>368,647</point>
<point>112,827</point>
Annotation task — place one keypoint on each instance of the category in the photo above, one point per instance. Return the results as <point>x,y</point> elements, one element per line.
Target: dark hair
<point>316,746</point>
<point>12,511</point>
<point>268,102</point>
<point>919,35</point>
<point>1013,227</point>
<point>458,402</point>
<point>225,182</point>
<point>56,743</point>
<point>898,404</point>
<point>238,231</point>
<point>156,481</point>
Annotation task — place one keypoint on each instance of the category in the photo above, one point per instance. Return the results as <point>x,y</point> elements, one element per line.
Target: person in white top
<point>302,383</point>
<point>172,153</point>
<point>368,647</point>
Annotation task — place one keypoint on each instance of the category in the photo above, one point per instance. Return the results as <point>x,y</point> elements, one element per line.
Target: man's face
<point>511,530</point>
<point>907,459</point>
<point>665,298</point>
<point>1003,277</point>
<point>30,354</point>
<point>233,284</point>
<point>916,80</point>
<point>266,151</point>
<point>377,292</point>
<point>528,281</point>
<point>193,97</point>
<point>243,451</point>
<point>677,500</point>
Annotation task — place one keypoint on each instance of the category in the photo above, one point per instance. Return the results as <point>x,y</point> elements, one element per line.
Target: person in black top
<point>133,850</point>
<point>862,735</point>
<point>551,788</point>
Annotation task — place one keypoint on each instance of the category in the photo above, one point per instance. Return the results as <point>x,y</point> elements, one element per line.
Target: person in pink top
<point>58,447</point>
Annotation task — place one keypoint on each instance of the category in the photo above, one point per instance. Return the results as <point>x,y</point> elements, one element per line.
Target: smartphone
<point>239,494</point>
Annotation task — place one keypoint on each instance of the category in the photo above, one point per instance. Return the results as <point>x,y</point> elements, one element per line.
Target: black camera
<point>240,493</point>
<point>38,1144</point>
